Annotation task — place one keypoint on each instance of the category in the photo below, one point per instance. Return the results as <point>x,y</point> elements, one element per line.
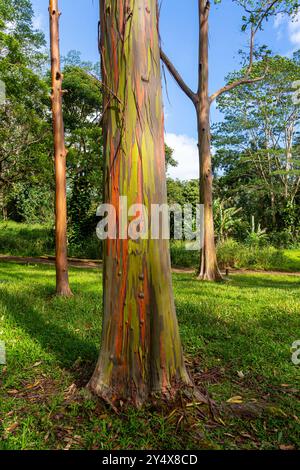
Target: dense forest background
<point>256,161</point>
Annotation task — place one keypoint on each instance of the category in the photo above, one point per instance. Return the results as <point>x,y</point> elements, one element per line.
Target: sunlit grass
<point>237,333</point>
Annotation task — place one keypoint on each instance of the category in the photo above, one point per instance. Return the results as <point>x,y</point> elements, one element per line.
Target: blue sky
<point>179,32</point>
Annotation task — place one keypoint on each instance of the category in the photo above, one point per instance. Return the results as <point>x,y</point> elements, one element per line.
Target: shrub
<point>90,248</point>
<point>238,255</point>
<point>285,239</point>
<point>181,257</point>
<point>231,254</point>
<point>227,253</point>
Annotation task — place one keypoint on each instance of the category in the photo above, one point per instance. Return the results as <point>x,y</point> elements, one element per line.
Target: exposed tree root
<point>184,392</point>
<point>64,292</point>
<point>217,277</point>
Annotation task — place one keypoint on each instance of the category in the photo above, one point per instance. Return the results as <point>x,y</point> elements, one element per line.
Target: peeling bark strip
<point>60,153</point>
<point>141,349</point>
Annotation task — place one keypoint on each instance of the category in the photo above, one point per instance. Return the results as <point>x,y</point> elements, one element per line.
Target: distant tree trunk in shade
<point>141,349</point>
<point>60,153</point>
<point>208,269</point>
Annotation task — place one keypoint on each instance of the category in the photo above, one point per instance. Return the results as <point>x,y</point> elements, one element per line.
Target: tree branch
<point>265,14</point>
<point>176,75</point>
<point>246,79</point>
<point>231,86</point>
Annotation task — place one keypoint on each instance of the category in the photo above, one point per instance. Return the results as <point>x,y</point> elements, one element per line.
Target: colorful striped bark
<point>141,349</point>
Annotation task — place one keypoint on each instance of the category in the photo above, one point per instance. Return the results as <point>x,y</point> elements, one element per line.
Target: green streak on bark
<point>141,349</point>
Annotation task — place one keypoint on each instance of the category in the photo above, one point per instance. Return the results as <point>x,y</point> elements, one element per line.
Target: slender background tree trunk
<point>141,349</point>
<point>60,153</point>
<point>208,269</point>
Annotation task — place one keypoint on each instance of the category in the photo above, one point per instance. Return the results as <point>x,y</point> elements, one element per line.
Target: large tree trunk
<point>60,153</point>
<point>141,349</point>
<point>208,269</point>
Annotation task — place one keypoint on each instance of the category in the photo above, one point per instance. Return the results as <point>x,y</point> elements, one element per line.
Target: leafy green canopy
<point>25,128</point>
<point>257,146</point>
<point>82,107</point>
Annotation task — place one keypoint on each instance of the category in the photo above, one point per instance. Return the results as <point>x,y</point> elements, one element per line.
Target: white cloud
<point>279,20</point>
<point>290,27</point>
<point>294,31</point>
<point>279,23</point>
<point>186,154</point>
<point>38,21</point>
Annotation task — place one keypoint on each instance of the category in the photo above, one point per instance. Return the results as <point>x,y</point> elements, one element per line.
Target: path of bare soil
<point>92,264</point>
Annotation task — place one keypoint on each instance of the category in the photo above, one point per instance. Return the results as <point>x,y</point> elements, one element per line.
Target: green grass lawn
<point>237,338</point>
<point>291,260</point>
<point>20,239</point>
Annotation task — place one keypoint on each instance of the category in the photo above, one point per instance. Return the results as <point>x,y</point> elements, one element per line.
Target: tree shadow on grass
<point>257,346</point>
<point>266,281</point>
<point>256,342</point>
<point>241,281</point>
<point>59,341</point>
<point>42,281</point>
<point>12,272</point>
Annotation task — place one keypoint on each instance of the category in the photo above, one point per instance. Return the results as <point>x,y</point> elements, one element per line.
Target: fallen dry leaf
<point>36,364</point>
<point>235,399</point>
<point>228,434</point>
<point>286,447</point>
<point>246,435</point>
<point>68,446</point>
<point>12,427</point>
<point>71,390</point>
<point>30,386</point>
<point>220,420</point>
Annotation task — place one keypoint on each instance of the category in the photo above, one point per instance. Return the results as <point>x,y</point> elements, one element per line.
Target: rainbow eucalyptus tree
<point>256,13</point>
<point>141,350</point>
